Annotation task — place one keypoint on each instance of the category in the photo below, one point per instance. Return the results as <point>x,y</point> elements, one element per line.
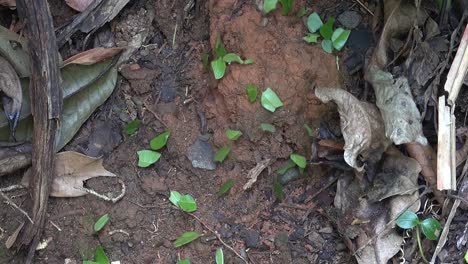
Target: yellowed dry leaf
<point>92,56</point>
<point>71,170</point>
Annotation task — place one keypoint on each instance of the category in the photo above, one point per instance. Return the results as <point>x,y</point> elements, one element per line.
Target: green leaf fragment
<point>267,127</point>
<point>226,187</point>
<point>283,169</point>
<point>311,38</point>
<point>100,256</point>
<point>270,101</point>
<point>147,157</point>
<point>219,256</point>
<point>327,46</point>
<point>269,5</point>
<point>221,154</point>
<point>431,228</point>
<point>183,261</point>
<point>299,160</point>
<point>278,190</point>
<point>466,256</point>
<point>219,49</point>
<point>132,127</point>
<point>251,91</point>
<point>407,220</point>
<point>160,140</point>
<point>233,134</point>
<point>205,60</point>
<point>326,30</point>
<point>339,38</point>
<point>101,222</point>
<point>232,57</point>
<point>309,130</point>
<point>302,12</point>
<point>186,238</point>
<point>175,197</point>
<point>314,22</point>
<point>219,68</point>
<point>249,61</point>
<point>187,203</point>
<point>286,6</point>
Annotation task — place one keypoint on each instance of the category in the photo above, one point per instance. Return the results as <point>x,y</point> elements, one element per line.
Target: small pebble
<point>326,230</point>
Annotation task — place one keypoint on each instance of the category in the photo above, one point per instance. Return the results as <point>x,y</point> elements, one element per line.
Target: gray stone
<point>350,19</point>
<point>251,238</point>
<point>290,175</point>
<point>201,155</point>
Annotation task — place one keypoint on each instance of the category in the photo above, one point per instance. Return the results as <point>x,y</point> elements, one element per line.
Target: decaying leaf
<point>361,125</point>
<point>395,101</point>
<point>92,56</point>
<point>254,172</point>
<point>13,49</point>
<point>79,5</point>
<point>12,238</point>
<point>11,94</point>
<point>71,170</point>
<point>104,13</point>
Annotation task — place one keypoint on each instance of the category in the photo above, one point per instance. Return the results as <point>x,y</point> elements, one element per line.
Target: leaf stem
<point>418,238</point>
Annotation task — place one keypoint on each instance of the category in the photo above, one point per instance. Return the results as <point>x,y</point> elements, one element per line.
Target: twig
<point>254,172</point>
<point>12,188</point>
<point>218,236</point>
<point>104,197</point>
<point>445,231</point>
<point>10,202</point>
<point>118,231</point>
<point>55,225</point>
<point>365,7</point>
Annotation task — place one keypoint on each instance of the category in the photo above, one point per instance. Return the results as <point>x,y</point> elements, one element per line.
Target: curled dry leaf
<point>92,56</point>
<point>11,94</point>
<point>71,170</point>
<point>361,125</point>
<point>79,5</point>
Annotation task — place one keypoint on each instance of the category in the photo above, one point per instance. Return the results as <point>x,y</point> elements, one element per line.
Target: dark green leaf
<point>311,38</point>
<point>431,228</point>
<point>219,256</point>
<point>100,256</point>
<point>147,157</point>
<point>205,60</point>
<point>187,203</point>
<point>232,57</point>
<point>314,22</point>
<point>270,101</point>
<point>101,222</point>
<point>269,5</point>
<point>249,61</point>
<point>132,127</point>
<point>233,134</point>
<point>302,12</point>
<point>160,140</point>
<point>219,68</point>
<point>278,190</point>
<point>251,91</point>
<point>407,220</point>
<point>183,261</point>
<point>299,160</point>
<point>339,38</point>
<point>282,170</point>
<point>226,187</point>
<point>219,49</point>
<point>327,45</point>
<point>326,30</point>
<point>175,197</point>
<point>186,238</point>
<point>310,132</point>
<point>267,127</point>
<point>221,154</point>
<point>286,6</point>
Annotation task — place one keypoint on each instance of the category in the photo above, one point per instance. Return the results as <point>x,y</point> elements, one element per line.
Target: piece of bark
<point>46,104</point>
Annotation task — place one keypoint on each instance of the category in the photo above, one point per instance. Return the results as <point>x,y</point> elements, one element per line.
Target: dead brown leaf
<point>79,5</point>
<point>92,56</point>
<point>361,125</point>
<point>71,170</point>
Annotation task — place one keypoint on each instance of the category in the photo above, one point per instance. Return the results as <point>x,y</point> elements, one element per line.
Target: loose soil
<point>166,86</point>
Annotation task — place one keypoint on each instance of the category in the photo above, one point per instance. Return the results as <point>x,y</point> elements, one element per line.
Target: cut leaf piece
<point>251,91</point>
<point>147,158</point>
<point>311,38</point>
<point>249,61</point>
<point>219,49</point>
<point>187,203</point>
<point>269,5</point>
<point>160,140</point>
<point>101,222</point>
<point>226,187</point>
<point>232,57</point>
<point>407,220</point>
<point>309,130</point>
<point>302,12</point>
<point>286,6</point>
<point>92,56</point>
<point>219,68</point>
<point>326,30</point>
<point>132,127</point>
<point>431,228</point>
<point>314,22</point>
<point>219,256</point>
<point>327,46</point>
<point>267,127</point>
<point>270,101</point>
<point>278,190</point>
<point>233,134</point>
<point>186,238</point>
<point>299,160</point>
<point>339,38</point>
<point>221,154</point>
<point>175,197</point>
<point>100,256</point>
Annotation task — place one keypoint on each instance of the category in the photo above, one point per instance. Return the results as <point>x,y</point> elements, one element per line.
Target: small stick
<point>12,188</point>
<point>16,207</point>
<point>104,197</point>
<point>445,231</point>
<point>55,225</point>
<point>118,231</point>
<point>365,7</point>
